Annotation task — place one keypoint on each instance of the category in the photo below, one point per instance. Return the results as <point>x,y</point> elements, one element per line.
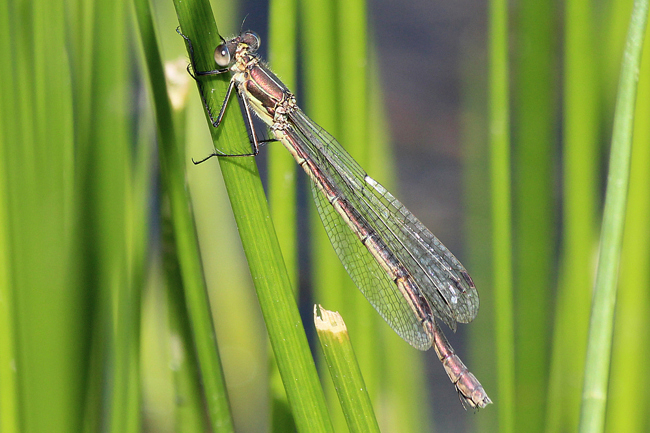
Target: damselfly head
<point>224,54</point>
<point>251,39</point>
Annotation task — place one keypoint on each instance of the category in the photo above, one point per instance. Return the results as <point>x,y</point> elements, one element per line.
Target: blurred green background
<point>101,275</point>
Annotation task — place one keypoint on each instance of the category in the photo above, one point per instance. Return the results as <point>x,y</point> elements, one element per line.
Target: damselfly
<point>405,272</point>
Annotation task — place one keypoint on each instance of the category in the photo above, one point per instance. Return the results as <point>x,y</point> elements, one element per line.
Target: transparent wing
<point>370,278</point>
<point>440,277</point>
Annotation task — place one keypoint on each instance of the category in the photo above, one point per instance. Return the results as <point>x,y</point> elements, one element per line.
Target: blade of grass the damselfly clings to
<point>534,127</point>
<point>235,310</point>
<point>625,411</point>
<point>580,197</point>
<point>172,159</point>
<point>402,367</point>
<point>501,210</point>
<point>282,169</point>
<point>319,56</point>
<point>9,397</point>
<point>594,397</point>
<point>476,204</point>
<point>344,371</point>
<point>255,227</point>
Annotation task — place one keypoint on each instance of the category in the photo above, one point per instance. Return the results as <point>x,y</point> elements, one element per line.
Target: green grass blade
<point>238,321</point>
<point>353,108</point>
<point>580,202</point>
<point>630,351</point>
<point>260,243</point>
<point>282,177</point>
<point>173,178</point>
<point>534,214</point>
<point>477,239</point>
<point>106,177</point>
<point>501,211</point>
<point>612,23</point>
<point>344,370</point>
<point>283,30</point>
<point>9,405</point>
<point>9,397</point>
<point>38,202</point>
<point>393,413</point>
<point>592,414</point>
<point>320,102</point>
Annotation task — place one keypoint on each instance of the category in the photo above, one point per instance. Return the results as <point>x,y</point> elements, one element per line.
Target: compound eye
<point>222,55</point>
